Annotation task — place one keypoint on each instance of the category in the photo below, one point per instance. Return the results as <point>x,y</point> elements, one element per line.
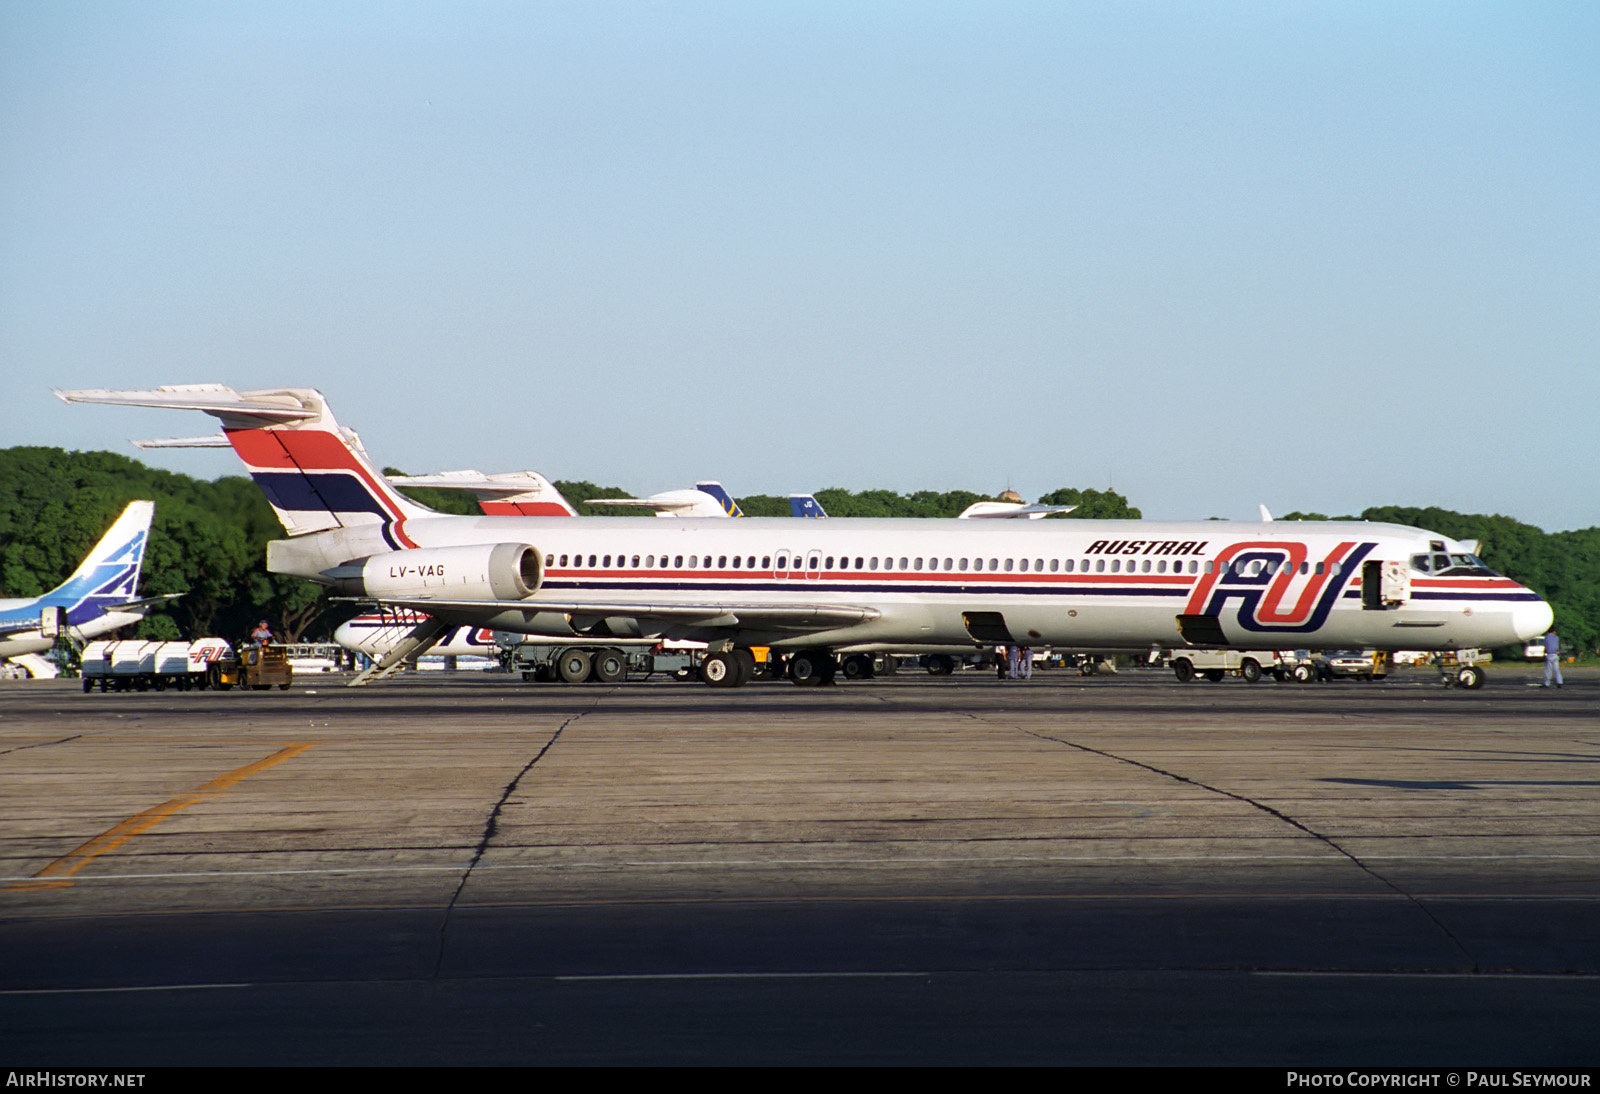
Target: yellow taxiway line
<point>59,873</point>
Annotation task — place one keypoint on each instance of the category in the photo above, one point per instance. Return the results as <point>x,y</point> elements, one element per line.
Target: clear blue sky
<point>1317,255</point>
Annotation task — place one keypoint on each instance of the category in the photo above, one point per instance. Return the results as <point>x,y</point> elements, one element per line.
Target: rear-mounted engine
<point>485,571</point>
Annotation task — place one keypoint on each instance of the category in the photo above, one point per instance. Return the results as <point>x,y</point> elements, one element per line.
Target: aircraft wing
<point>797,617</point>
<point>990,509</point>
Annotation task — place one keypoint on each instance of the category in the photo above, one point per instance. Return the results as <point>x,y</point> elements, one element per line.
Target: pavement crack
<point>492,824</point>
<point>1277,814</point>
<point>39,744</point>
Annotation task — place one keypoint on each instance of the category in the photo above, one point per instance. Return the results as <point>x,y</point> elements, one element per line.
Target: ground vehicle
<point>1358,664</point>
<point>1248,665</point>
<point>545,663</point>
<point>140,665</point>
<point>256,667</point>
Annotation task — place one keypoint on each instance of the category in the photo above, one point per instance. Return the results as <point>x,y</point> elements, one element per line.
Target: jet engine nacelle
<point>484,571</point>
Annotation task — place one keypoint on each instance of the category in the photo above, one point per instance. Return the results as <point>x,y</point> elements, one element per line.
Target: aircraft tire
<point>1470,677</point>
<point>724,670</point>
<point>857,666</point>
<point>573,666</point>
<point>1183,669</point>
<point>1250,669</point>
<point>941,664</point>
<point>610,666</point>
<point>1303,674</point>
<point>810,668</point>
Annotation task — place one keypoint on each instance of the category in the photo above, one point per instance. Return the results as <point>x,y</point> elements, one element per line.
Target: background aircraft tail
<point>804,505</point>
<point>110,571</point>
<point>314,472</point>
<point>729,506</point>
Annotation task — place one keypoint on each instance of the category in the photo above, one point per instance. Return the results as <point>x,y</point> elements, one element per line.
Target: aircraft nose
<point>1531,619</point>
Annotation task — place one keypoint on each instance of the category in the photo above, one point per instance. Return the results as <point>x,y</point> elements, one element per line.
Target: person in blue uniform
<point>1552,657</point>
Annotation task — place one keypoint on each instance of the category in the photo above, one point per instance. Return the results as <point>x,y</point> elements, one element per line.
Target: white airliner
<point>101,595</point>
<point>817,588</point>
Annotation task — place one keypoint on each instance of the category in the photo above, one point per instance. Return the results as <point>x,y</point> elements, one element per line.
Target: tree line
<point>208,539</point>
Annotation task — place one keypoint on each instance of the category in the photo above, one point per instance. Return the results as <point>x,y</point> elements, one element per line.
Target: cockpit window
<point>1466,564</point>
<point>1455,565</point>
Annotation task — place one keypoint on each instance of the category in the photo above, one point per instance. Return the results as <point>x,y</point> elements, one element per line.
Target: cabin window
<point>949,564</point>
<point>692,561</point>
<point>916,563</point>
<point>736,561</point>
<point>1071,565</point>
<point>563,560</point>
<point>872,562</point>
<point>1055,564</point>
<point>1116,565</point>
<point>1161,566</point>
<point>722,562</point>
<point>828,563</point>
<point>1099,565</point>
<point>1010,564</point>
<point>961,563</point>
<point>903,564</point>
<point>1146,567</point>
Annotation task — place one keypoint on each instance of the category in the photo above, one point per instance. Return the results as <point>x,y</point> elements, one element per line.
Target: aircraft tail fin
<point>314,472</point>
<point>110,570</point>
<point>804,505</point>
<point>729,506</point>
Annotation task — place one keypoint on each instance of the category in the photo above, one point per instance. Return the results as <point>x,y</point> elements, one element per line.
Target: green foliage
<point>1092,504</point>
<point>579,493</point>
<point>764,505</point>
<point>458,503</point>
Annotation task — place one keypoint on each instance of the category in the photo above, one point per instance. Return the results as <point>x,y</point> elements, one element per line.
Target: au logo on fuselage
<point>1273,594</point>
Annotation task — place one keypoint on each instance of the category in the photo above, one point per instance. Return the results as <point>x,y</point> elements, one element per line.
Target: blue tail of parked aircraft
<point>804,505</point>
<point>729,506</point>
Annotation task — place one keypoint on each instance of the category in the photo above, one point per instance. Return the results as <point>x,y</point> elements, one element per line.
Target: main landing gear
<point>810,668</point>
